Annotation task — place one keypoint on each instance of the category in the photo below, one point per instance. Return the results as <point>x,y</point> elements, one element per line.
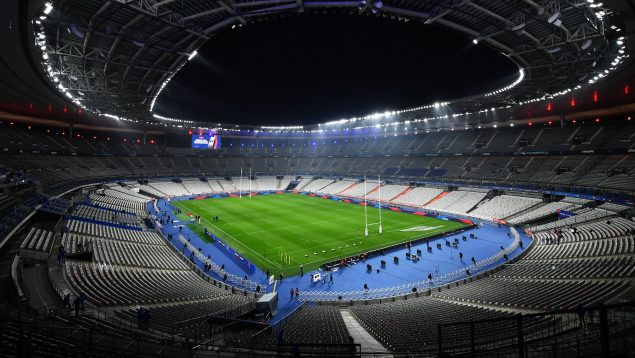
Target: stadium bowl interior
<point>488,214</point>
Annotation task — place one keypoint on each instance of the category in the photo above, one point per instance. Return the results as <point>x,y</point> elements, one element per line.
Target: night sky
<point>305,69</point>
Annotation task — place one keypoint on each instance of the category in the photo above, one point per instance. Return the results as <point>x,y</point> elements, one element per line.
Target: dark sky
<point>311,68</point>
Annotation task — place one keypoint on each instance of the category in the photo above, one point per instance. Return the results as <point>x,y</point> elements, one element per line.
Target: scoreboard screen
<point>206,140</point>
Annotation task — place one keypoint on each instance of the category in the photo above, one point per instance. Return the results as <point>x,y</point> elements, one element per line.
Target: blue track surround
<point>490,238</point>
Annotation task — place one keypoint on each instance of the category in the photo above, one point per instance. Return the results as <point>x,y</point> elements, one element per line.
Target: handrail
<point>232,278</point>
<point>19,226</point>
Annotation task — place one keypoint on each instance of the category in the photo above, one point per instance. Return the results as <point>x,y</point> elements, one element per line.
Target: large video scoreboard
<point>206,140</point>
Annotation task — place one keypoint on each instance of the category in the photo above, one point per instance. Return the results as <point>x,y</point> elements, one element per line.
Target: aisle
<point>361,336</point>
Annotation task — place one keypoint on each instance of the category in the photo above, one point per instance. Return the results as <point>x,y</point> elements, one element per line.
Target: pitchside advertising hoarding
<point>206,140</point>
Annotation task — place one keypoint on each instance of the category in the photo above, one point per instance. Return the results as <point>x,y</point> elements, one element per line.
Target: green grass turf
<point>275,232</point>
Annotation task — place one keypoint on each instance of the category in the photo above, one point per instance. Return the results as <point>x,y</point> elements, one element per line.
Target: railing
<point>18,226</point>
<point>36,335</point>
<point>290,350</point>
<point>232,279</point>
<point>21,290</point>
<point>598,331</point>
<point>380,293</point>
<point>231,311</point>
<point>586,217</point>
<point>37,255</point>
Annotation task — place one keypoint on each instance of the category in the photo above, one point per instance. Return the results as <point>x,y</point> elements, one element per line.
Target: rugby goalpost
<point>240,190</point>
<point>366,224</point>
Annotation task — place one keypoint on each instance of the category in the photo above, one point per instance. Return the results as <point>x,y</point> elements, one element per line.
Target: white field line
<point>243,245</point>
<point>433,233</point>
<point>362,251</point>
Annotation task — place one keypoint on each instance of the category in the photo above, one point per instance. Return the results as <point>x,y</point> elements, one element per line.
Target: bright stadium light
<point>48,7</point>
<point>192,55</point>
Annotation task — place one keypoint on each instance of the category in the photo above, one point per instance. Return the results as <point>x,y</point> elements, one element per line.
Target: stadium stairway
<point>443,193</point>
<point>374,190</point>
<point>528,209</point>
<point>361,336</point>
<point>348,187</point>
<point>402,193</point>
<point>41,293</point>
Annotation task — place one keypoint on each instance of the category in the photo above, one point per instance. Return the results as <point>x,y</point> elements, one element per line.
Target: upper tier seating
<point>391,156</point>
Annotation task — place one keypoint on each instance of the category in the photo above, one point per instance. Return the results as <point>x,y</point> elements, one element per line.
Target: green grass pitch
<point>280,232</point>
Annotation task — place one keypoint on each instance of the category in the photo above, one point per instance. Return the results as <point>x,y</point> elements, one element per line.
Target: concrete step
<point>361,336</point>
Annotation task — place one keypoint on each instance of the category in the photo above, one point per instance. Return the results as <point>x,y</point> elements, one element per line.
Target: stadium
<point>368,178</point>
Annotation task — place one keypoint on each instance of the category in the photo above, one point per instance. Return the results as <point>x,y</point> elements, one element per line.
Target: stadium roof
<point>114,57</point>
